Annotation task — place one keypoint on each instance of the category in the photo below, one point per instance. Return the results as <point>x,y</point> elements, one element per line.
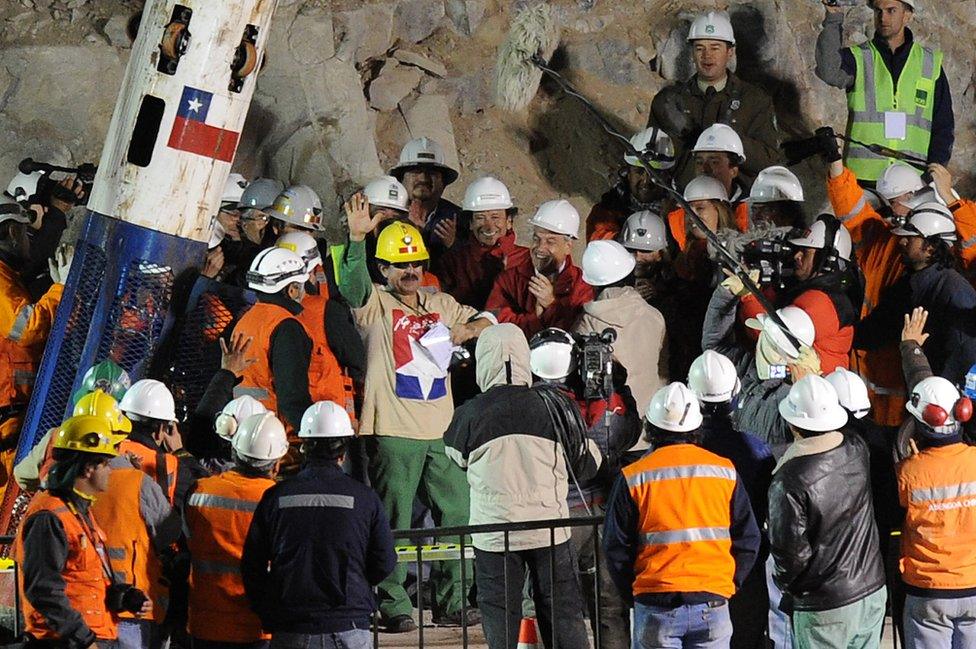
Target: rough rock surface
<point>318,115</point>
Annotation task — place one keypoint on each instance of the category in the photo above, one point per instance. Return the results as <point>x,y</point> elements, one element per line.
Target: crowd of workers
<point>780,478</point>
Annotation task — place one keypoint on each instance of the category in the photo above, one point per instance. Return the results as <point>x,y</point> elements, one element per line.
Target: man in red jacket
<point>468,270</point>
<point>546,290</point>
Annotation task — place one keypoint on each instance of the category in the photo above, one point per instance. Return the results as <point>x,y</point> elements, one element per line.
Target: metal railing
<point>456,546</point>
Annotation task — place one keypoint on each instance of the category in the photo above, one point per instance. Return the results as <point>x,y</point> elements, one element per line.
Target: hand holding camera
<point>123,598</point>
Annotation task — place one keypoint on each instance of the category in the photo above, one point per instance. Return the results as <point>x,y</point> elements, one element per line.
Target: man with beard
<point>633,190</point>
<point>423,171</point>
<point>546,290</point>
<point>468,270</point>
<point>24,326</point>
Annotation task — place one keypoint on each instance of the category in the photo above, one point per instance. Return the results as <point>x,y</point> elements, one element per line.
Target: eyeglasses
<point>404,265</point>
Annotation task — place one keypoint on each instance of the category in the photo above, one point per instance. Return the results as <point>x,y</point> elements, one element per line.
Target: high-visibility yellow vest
<point>874,94</point>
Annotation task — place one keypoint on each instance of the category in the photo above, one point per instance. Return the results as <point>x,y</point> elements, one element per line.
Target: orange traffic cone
<point>528,634</point>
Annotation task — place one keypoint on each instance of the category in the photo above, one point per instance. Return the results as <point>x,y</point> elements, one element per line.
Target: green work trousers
<point>400,470</point>
<point>855,626</point>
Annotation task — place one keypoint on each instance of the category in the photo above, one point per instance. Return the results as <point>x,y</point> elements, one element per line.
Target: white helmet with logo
<point>325,419</point>
<point>705,188</point>
<point>386,191</point>
<point>644,231</point>
<point>797,321</point>
<point>851,392</point>
<point>812,405</point>
<point>485,194</point>
<point>275,268</point>
<point>712,26</point>
<point>775,184</point>
<point>303,245</point>
<point>261,438</point>
<point>720,137</point>
<point>423,152</point>
<point>656,144</point>
<point>816,237</point>
<point>552,354</point>
<point>233,189</point>
<point>899,179</point>
<point>936,402</point>
<point>606,262</point>
<point>929,220</point>
<point>23,186</point>
<point>557,216</point>
<point>713,378</point>
<point>674,408</point>
<point>148,399</point>
<point>298,205</point>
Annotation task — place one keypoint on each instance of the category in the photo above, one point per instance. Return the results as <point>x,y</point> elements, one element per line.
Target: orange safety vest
<point>938,542</point>
<point>325,380</point>
<point>218,515</point>
<point>684,495</point>
<point>130,550</point>
<point>676,223</point>
<point>149,464</point>
<point>85,580</point>
<point>259,323</point>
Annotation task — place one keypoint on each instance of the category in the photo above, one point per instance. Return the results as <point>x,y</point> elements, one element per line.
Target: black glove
<point>786,604</point>
<point>827,140</point>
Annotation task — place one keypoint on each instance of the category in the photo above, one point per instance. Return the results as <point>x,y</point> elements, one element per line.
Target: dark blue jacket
<point>317,545</point>
<point>752,457</point>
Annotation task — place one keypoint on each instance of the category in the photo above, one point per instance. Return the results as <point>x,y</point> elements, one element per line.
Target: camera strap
<point>95,538</point>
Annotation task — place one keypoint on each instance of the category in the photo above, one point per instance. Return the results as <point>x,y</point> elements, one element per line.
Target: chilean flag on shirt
<point>192,133</point>
<point>417,375</point>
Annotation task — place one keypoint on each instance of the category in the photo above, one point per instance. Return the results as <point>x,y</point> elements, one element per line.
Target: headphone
<point>934,415</point>
<point>831,260</point>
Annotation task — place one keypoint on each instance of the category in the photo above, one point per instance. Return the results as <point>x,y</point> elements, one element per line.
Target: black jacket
<point>822,533</point>
<point>317,545</point>
<point>289,353</point>
<point>202,439</point>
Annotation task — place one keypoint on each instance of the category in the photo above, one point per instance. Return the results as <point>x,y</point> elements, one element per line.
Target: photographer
<point>826,286</point>
<point>520,460</point>
<point>67,586</point>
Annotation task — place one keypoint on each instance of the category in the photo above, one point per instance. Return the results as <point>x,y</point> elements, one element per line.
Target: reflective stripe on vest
<point>222,502</point>
<point>20,323</point>
<point>874,94</point>
<point>317,500</point>
<point>684,497</point>
<point>947,492</point>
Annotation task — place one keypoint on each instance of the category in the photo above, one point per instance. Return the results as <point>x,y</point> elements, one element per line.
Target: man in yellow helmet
<point>69,592</point>
<point>409,335</point>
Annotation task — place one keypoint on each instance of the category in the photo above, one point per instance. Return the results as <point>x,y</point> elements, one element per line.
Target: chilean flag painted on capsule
<point>192,133</point>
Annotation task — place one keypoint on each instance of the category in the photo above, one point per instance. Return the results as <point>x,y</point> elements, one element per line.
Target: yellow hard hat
<point>100,404</point>
<point>401,242</point>
<point>88,434</point>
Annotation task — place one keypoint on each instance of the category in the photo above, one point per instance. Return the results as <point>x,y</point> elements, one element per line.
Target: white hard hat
<point>261,194</point>
<point>816,237</point>
<point>713,26</point>
<point>705,188</point>
<point>325,419</point>
<point>387,191</point>
<point>298,205</point>
<point>261,437</point>
<point>720,137</point>
<point>929,220</point>
<point>812,405</point>
<point>899,179</point>
<point>559,217</point>
<point>11,210</point>
<point>217,234</point>
<point>423,152</point>
<point>796,320</point>
<point>149,399</point>
<point>236,411</point>
<point>712,377</point>
<point>911,3</point>
<point>275,268</point>
<point>674,408</point>
<point>234,189</point>
<point>605,262</point>
<point>656,144</point>
<point>851,392</point>
<point>776,184</point>
<point>644,231</point>
<point>304,245</point>
<point>935,402</point>
<point>485,194</point>
<point>23,186</point>
<point>552,354</point>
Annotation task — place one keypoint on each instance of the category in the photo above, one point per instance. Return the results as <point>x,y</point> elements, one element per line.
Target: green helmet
<point>106,376</point>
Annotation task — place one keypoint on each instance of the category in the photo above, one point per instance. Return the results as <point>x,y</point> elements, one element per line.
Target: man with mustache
<point>423,171</point>
<point>407,406</point>
<point>546,290</point>
<point>468,270</point>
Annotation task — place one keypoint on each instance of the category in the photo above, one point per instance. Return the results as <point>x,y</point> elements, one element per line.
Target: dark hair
<point>659,437</point>
<point>630,280</point>
<point>331,448</point>
<point>942,252</point>
<point>68,466</point>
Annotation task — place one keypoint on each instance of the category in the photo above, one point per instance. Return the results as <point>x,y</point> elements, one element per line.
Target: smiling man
<point>715,95</point>
<point>904,74</point>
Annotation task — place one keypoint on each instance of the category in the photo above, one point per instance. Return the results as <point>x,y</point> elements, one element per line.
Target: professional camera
<point>595,363</point>
<point>823,143</point>
<point>773,258</point>
<point>123,598</point>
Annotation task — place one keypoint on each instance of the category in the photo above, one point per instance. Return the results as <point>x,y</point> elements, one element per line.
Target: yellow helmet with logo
<point>88,434</point>
<point>401,242</point>
<point>100,404</point>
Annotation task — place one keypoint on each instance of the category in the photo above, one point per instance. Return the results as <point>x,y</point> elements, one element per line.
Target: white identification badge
<point>896,125</point>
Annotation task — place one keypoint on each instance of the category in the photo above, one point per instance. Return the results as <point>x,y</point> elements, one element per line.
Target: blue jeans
<point>932,623</point>
<point>141,634</point>
<point>354,639</point>
<point>780,625</point>
<point>692,626</point>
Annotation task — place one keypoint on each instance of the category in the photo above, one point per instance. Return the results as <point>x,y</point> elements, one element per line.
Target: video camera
<point>595,363</point>
<point>773,258</point>
<point>48,188</point>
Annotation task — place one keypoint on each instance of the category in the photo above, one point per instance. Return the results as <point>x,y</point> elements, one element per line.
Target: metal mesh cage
<point>197,356</point>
